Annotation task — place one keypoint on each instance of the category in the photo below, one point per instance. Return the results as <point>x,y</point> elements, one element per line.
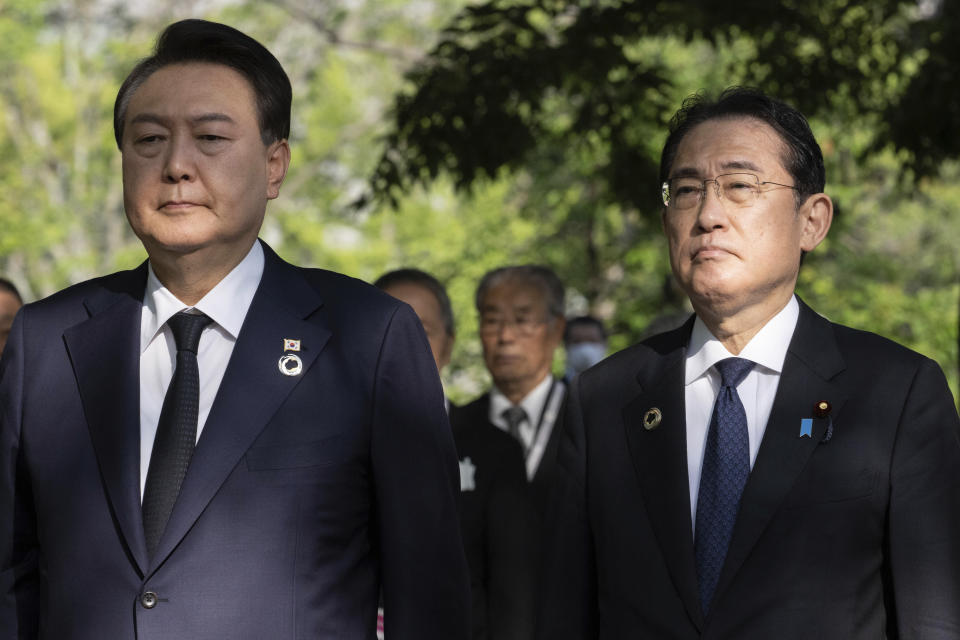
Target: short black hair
<point>802,156</point>
<point>203,41</point>
<point>538,276</point>
<point>9,287</point>
<point>583,321</point>
<point>428,282</point>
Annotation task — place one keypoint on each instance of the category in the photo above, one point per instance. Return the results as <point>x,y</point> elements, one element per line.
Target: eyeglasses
<point>524,325</point>
<point>741,189</point>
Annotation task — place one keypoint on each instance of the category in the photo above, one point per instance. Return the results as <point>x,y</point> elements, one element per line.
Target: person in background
<point>585,343</point>
<point>760,472</point>
<point>521,318</point>
<point>10,303</point>
<point>219,444</point>
<point>495,518</point>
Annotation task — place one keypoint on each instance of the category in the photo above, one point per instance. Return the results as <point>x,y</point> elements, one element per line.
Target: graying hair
<point>538,276</point>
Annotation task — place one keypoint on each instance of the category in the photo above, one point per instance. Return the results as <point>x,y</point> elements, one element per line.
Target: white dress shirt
<point>767,349</point>
<point>227,305</point>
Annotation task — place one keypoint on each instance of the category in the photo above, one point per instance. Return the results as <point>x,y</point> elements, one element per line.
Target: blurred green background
<point>460,136</point>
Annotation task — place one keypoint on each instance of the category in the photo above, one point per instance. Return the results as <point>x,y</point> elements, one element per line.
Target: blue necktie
<point>726,465</point>
<point>176,430</point>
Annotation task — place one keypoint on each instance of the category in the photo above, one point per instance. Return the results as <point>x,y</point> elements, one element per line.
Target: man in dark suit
<point>495,518</point>
<point>218,444</point>
<point>521,326</point>
<point>760,472</point>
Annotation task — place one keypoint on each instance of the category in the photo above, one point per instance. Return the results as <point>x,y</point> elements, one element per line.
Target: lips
<point>710,251</point>
<point>179,205</point>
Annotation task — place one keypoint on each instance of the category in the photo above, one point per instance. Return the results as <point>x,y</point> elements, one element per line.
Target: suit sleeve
<point>425,582</point>
<point>510,551</point>
<point>567,608</point>
<point>924,516</point>
<point>19,574</point>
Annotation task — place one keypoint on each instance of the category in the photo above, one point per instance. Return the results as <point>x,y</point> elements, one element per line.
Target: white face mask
<point>583,355</point>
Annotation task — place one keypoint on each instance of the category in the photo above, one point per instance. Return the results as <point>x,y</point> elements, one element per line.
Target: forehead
<point>422,299</point>
<point>584,333</point>
<point>730,144</point>
<point>191,90</point>
<point>513,294</point>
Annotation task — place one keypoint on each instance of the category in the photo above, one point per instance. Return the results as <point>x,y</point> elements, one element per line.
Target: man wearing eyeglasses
<point>521,311</point>
<point>759,472</point>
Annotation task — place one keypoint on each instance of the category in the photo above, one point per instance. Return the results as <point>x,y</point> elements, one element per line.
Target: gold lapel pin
<point>291,344</point>
<point>652,418</point>
<point>821,409</point>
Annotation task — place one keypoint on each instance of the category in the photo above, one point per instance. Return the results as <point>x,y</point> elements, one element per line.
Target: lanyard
<point>544,427</point>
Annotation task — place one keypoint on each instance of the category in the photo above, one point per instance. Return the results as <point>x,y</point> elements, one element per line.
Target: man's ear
<point>559,326</point>
<point>278,160</point>
<point>817,216</point>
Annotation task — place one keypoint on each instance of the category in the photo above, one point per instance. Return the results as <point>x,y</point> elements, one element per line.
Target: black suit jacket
<point>304,496</point>
<point>497,528</point>
<point>853,533</point>
<point>478,413</point>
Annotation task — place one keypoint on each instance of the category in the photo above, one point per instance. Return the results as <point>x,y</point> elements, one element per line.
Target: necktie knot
<point>514,416</point>
<point>186,328</point>
<point>733,370</point>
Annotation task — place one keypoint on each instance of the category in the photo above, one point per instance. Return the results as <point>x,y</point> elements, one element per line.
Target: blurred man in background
<point>10,303</point>
<point>495,518</point>
<point>521,326</point>
<point>585,343</point>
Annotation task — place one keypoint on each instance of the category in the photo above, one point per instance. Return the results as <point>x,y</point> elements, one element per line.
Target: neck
<point>516,390</point>
<point>191,276</point>
<point>734,331</point>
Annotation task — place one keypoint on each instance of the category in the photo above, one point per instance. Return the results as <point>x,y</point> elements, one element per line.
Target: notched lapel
<point>252,390</point>
<point>104,352</point>
<point>659,457</point>
<point>812,361</point>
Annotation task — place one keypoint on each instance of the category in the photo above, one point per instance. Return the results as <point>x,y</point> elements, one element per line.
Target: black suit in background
<point>497,529</point>
<point>477,412</point>
<point>851,534</point>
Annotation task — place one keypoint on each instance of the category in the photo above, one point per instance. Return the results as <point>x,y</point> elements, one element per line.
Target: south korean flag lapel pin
<point>290,363</point>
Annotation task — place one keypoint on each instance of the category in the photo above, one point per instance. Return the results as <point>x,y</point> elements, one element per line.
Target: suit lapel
<point>252,390</point>
<point>104,351</point>
<point>812,361</point>
<point>659,457</point>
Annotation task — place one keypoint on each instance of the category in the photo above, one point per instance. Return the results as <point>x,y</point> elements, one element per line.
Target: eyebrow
<point>205,117</point>
<point>693,172</point>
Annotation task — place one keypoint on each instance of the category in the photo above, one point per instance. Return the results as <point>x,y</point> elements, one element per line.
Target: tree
<point>569,102</point>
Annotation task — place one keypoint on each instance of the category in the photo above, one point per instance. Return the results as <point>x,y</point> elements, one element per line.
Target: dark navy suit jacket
<point>306,494</point>
<point>851,533</point>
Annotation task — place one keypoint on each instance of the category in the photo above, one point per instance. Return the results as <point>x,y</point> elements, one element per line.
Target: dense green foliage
<point>519,131</point>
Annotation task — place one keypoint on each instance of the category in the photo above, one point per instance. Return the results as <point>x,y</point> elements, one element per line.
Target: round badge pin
<point>291,365</point>
<point>652,418</point>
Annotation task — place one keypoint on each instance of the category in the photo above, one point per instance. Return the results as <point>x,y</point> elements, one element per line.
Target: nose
<point>507,331</point>
<point>712,213</point>
<point>179,165</point>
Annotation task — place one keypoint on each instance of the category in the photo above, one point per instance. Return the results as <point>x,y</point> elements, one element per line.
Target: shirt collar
<point>226,304</point>
<point>532,403</point>
<point>768,348</point>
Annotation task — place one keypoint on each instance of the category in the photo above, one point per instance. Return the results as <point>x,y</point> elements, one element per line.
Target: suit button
<point>148,600</point>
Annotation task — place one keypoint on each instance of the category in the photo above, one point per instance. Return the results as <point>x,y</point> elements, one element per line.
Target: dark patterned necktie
<point>726,465</point>
<point>176,430</point>
<point>514,416</point>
